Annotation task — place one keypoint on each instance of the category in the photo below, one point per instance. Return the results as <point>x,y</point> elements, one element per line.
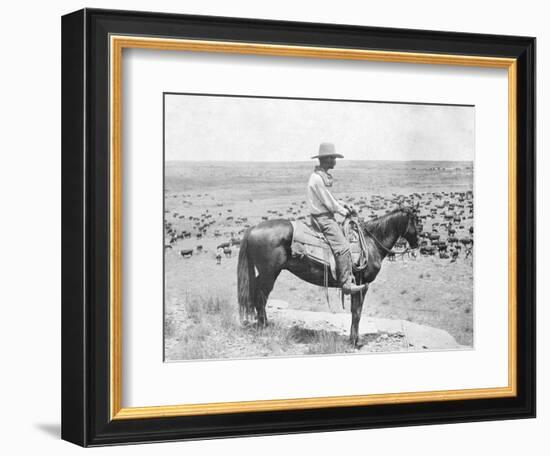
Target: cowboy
<point>323,206</point>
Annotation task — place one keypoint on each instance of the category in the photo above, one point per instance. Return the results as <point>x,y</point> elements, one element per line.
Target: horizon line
<point>308,161</point>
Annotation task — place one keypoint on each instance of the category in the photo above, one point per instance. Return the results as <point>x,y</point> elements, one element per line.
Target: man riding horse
<point>323,206</point>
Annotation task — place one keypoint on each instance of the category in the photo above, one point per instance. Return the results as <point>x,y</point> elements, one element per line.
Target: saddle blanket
<point>312,244</point>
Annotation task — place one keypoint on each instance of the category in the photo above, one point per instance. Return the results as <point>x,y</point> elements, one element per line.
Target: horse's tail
<point>246,278</point>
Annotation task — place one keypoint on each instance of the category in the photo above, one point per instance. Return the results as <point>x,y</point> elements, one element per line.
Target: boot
<point>345,276</point>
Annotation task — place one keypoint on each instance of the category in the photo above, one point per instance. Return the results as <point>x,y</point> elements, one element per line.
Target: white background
<point>147,73</point>
<point>30,232</point>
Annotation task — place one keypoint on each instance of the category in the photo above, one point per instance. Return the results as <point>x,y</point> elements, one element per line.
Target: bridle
<point>411,215</point>
<point>377,241</point>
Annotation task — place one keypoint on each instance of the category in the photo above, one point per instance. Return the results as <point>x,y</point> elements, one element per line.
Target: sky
<point>199,127</point>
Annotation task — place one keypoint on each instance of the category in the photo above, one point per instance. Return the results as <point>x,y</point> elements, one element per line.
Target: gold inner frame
<point>117,44</point>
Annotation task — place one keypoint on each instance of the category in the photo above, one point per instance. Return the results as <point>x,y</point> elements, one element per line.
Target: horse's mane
<point>380,225</point>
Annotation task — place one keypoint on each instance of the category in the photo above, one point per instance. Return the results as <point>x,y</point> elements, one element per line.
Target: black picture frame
<point>85,228</point>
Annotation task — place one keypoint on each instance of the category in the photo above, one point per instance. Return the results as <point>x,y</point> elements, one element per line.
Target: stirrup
<point>353,288</point>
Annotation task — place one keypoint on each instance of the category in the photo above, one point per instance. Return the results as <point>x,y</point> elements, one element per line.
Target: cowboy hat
<point>327,150</point>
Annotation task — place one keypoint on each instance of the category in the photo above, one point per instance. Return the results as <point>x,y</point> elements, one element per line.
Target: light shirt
<point>319,198</point>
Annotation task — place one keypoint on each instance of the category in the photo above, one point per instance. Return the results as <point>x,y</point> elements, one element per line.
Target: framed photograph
<point>276,227</point>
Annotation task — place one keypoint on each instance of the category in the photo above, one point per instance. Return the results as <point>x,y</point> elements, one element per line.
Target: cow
<point>454,256</point>
<point>187,253</point>
<point>433,237</point>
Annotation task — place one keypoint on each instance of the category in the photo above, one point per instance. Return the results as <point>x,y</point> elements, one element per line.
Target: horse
<point>266,248</point>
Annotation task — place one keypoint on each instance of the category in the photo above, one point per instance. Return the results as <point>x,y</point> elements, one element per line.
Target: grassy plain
<point>201,315</point>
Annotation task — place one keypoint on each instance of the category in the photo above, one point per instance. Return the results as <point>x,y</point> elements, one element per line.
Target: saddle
<point>309,242</point>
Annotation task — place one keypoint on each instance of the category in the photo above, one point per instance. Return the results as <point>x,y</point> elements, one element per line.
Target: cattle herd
<point>200,224</point>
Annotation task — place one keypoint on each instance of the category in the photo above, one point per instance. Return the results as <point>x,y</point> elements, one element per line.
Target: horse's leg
<point>264,285</point>
<point>356,309</point>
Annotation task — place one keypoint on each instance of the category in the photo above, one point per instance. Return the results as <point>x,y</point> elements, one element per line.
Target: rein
<point>388,251</point>
<point>363,256</point>
<point>377,241</point>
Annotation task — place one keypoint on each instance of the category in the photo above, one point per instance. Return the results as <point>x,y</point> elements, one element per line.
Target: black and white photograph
<point>298,227</point>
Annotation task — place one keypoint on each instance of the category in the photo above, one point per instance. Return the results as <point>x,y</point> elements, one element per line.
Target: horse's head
<point>400,222</point>
<point>413,226</point>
